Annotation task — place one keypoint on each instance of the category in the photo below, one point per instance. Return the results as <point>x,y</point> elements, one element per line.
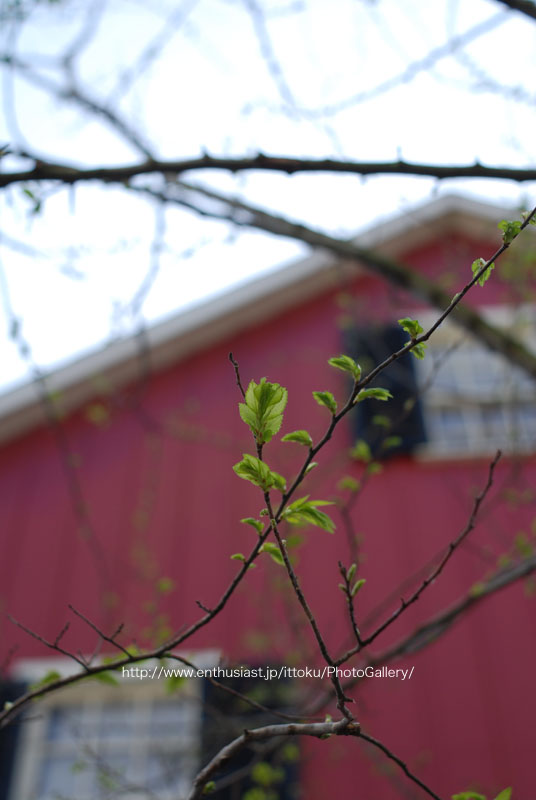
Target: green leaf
<point>326,399</point>
<point>310,466</point>
<point>174,682</point>
<point>238,557</point>
<point>106,677</point>
<point>209,787</point>
<point>165,585</point>
<point>510,230</point>
<point>357,586</point>
<point>505,794</point>
<point>381,420</point>
<point>301,437</point>
<point>51,676</point>
<point>377,393</point>
<point>255,523</point>
<point>351,571</point>
<point>391,441</point>
<point>374,468</point>
<point>347,482</point>
<point>468,796</point>
<point>263,409</point>
<point>274,552</point>
<point>361,451</point>
<point>477,265</point>
<point>305,512</point>
<point>347,364</point>
<point>411,326</point>
<point>253,469</point>
<point>279,481</point>
<point>419,350</point>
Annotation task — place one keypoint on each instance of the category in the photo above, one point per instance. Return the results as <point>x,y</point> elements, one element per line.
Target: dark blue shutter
<point>370,346</point>
<point>225,717</point>
<point>9,736</point>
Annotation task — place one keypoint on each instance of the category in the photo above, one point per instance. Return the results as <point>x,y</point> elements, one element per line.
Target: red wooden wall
<point>161,499</point>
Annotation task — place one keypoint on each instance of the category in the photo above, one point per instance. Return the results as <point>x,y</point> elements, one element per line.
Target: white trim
<point>256,301</point>
<point>34,746</point>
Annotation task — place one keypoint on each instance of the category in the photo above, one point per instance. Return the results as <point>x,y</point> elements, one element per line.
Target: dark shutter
<point>402,416</point>
<point>9,691</point>
<point>225,717</point>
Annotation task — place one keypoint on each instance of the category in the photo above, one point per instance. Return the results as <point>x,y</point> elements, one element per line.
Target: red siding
<point>162,499</point>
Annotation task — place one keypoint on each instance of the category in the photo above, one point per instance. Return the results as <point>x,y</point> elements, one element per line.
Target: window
<point>94,740</point>
<point>461,399</point>
<point>137,740</point>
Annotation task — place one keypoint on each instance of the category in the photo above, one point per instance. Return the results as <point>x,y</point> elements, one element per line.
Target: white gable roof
<point>255,301</point>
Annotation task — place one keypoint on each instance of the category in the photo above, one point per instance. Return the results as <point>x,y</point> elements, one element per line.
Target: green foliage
<point>274,552</point>
<point>413,329</point>
<point>266,775</point>
<point>209,787</point>
<point>506,794</point>
<point>301,437</point>
<point>411,326</point>
<point>391,441</point>
<point>305,512</point>
<point>477,265</point>
<point>468,796</point>
<point>347,364</point>
<point>377,394</point>
<point>349,483</point>
<point>51,676</point>
<point>310,466</point>
<point>174,682</point>
<point>361,451</point>
<point>253,469</point>
<point>263,409</point>
<point>381,421</point>
<point>510,230</point>
<point>165,585</point>
<point>326,399</point>
<point>255,523</point>
<point>106,677</point>
<point>238,557</point>
<point>357,586</point>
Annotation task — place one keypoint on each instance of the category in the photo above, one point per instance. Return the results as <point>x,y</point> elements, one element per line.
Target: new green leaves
<point>477,265</point>
<point>347,364</point>
<point>510,230</point>
<point>413,329</point>
<point>376,393</point>
<point>263,409</point>
<point>254,470</point>
<point>326,399</point>
<point>301,437</point>
<point>305,512</point>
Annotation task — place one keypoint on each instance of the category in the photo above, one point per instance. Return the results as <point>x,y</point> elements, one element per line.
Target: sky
<point>353,79</point>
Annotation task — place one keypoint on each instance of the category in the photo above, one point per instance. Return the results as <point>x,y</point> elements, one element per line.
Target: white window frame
<point>520,321</point>
<point>33,745</point>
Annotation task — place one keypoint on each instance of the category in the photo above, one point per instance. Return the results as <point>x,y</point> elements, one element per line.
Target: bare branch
<point>343,727</point>
<point>67,173</point>
<point>523,6</point>
<point>400,763</point>
<point>244,214</point>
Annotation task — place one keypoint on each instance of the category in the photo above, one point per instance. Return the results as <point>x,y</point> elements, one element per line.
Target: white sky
<point>89,249</point>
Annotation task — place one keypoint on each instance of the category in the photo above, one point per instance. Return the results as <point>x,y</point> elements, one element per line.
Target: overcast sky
<point>356,79</point>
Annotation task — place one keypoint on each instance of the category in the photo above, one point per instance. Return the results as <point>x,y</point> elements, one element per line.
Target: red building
<point>118,498</point>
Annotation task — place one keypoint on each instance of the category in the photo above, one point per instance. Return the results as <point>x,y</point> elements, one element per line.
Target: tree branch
<point>398,274</point>
<point>317,729</point>
<point>523,6</point>
<point>67,173</point>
